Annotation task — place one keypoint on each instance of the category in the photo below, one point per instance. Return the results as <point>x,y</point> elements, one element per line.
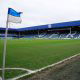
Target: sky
<point>40,12</point>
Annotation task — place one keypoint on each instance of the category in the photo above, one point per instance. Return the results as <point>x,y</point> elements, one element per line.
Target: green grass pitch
<point>35,54</point>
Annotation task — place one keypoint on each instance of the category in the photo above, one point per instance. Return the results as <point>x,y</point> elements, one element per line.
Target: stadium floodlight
<point>14,17</point>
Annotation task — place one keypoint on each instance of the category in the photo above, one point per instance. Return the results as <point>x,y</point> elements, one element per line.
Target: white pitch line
<point>52,65</point>
<point>23,69</point>
<point>58,62</point>
<point>21,76</point>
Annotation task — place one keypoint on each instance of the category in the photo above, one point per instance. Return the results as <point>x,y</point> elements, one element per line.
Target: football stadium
<point>34,49</point>
<point>40,40</point>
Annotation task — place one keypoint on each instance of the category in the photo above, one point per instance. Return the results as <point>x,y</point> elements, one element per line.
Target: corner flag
<point>14,16</point>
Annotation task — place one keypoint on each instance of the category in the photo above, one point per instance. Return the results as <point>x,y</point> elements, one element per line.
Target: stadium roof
<point>8,28</point>
<point>54,26</point>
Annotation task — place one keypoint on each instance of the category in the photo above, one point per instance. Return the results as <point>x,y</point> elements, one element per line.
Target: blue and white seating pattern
<point>45,35</point>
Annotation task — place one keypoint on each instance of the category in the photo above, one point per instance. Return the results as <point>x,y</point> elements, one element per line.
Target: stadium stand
<point>65,30</point>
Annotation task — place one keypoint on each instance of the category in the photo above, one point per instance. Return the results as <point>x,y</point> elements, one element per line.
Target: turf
<point>12,73</point>
<point>35,54</point>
